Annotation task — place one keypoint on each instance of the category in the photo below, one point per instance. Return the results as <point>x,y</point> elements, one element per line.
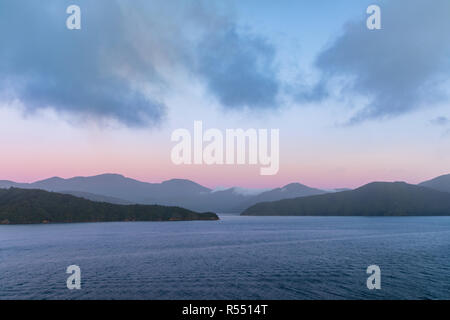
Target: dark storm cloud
<point>398,68</point>
<point>113,66</point>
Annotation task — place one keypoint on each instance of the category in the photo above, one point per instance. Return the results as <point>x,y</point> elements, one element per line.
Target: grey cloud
<point>123,54</point>
<point>239,69</point>
<point>398,68</point>
<point>46,65</point>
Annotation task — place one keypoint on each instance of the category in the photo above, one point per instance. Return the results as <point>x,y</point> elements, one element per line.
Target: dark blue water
<point>235,258</point>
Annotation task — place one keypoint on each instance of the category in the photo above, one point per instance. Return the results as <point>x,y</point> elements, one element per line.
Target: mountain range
<point>373,199</point>
<point>117,189</point>
<point>27,206</point>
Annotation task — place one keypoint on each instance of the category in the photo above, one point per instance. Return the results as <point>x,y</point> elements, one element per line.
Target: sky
<point>352,105</point>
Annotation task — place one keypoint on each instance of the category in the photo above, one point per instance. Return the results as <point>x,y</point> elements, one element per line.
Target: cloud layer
<point>127,59</point>
<point>398,68</point>
<point>124,60</point>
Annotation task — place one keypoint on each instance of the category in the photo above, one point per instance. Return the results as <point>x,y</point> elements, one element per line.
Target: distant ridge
<point>373,199</point>
<point>96,197</point>
<point>118,189</point>
<point>292,190</point>
<point>441,183</point>
<point>115,186</point>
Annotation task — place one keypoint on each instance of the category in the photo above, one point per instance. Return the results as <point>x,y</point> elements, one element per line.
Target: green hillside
<point>26,206</point>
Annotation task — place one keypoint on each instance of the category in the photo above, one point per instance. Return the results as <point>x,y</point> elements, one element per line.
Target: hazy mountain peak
<point>52,179</point>
<point>181,182</point>
<point>444,176</point>
<point>99,177</point>
<point>293,186</point>
<point>184,185</point>
<point>441,183</point>
<point>178,181</point>
<point>372,199</point>
<point>381,185</point>
<point>104,177</point>
<point>108,175</point>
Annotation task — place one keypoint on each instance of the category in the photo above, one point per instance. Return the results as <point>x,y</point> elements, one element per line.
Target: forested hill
<point>373,199</point>
<point>27,206</point>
